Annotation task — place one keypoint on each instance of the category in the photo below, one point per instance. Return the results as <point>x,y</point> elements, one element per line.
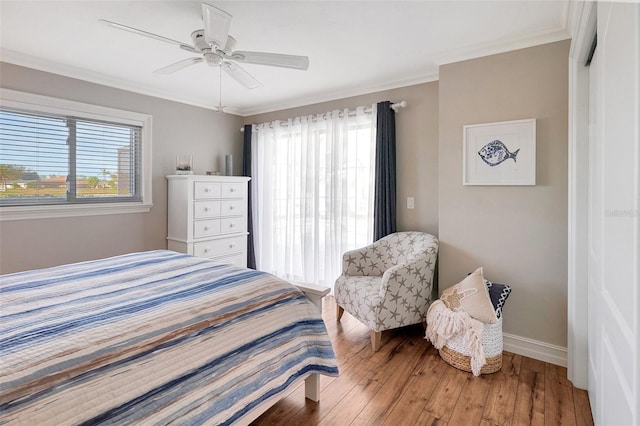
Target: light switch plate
<point>410,202</point>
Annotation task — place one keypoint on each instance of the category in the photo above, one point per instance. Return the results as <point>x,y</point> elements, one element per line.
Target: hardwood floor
<point>407,383</point>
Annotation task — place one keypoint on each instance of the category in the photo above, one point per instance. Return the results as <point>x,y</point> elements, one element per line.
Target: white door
<point>614,218</point>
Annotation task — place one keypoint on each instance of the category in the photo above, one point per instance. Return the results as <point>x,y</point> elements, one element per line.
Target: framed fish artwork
<point>502,153</point>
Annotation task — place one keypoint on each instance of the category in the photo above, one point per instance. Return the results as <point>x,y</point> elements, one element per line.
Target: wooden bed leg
<point>312,387</point>
<point>339,312</point>
<point>375,340</point>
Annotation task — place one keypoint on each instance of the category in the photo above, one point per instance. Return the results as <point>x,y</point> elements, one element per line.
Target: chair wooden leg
<point>339,312</point>
<point>375,340</point>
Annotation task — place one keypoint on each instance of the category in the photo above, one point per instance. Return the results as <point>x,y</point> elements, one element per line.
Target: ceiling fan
<point>216,47</point>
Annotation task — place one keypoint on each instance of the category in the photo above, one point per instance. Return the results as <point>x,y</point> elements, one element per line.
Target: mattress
<point>156,338</point>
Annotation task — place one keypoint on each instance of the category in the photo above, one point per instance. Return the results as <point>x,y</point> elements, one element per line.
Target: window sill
<point>70,210</point>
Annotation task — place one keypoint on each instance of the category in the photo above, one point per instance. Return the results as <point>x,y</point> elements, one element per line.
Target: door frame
<point>582,16</point>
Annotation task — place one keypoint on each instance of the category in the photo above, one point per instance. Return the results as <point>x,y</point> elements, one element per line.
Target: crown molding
<point>28,61</point>
<point>340,94</point>
<point>492,48</point>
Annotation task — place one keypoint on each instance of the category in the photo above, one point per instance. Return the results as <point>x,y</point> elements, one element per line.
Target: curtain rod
<point>395,107</point>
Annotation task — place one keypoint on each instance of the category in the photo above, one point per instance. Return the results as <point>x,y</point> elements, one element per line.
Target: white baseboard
<point>535,349</point>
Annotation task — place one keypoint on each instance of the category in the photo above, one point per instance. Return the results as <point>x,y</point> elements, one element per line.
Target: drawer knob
<point>231,246</point>
<point>206,228</point>
<point>232,225</point>
<point>232,190</point>
<point>206,250</point>
<point>206,209</point>
<point>207,190</point>
<point>231,208</point>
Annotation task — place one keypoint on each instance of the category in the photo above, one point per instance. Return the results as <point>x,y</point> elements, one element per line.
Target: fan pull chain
<point>220,107</point>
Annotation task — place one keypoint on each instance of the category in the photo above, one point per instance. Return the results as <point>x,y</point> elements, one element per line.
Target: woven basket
<point>456,353</point>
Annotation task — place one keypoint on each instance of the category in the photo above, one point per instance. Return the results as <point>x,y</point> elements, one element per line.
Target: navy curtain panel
<point>384,211</point>
<point>246,171</point>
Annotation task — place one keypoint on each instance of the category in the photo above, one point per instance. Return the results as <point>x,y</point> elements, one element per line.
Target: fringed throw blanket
<point>443,324</point>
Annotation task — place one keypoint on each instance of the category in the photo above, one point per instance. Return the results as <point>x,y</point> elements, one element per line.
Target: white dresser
<point>207,217</point>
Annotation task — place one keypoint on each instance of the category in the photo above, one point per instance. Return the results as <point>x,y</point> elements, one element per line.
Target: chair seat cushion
<point>360,296</point>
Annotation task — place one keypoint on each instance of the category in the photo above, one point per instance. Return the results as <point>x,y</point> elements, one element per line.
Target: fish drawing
<point>495,152</point>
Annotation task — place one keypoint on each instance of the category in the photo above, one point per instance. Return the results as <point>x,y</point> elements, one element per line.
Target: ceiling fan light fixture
<point>213,59</point>
<point>216,25</point>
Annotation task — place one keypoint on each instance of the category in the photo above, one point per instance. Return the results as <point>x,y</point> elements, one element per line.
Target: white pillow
<point>471,296</point>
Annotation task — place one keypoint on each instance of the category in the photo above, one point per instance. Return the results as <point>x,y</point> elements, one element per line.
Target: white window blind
<point>50,159</point>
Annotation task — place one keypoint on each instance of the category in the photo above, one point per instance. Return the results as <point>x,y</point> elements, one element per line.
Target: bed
<point>157,338</point>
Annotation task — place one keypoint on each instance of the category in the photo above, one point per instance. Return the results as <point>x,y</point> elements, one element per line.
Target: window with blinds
<point>62,158</point>
<point>49,159</point>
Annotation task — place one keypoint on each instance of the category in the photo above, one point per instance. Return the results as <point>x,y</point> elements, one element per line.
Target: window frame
<point>45,104</point>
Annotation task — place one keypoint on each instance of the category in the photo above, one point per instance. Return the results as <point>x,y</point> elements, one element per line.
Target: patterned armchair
<point>388,284</point>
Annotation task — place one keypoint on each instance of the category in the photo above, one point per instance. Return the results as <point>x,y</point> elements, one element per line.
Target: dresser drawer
<point>233,190</point>
<point>221,247</point>
<point>203,209</point>
<point>232,207</point>
<point>204,190</point>
<point>206,228</point>
<point>233,224</point>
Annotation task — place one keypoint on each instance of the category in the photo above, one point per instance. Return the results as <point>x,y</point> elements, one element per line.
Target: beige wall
<point>177,128</point>
<point>416,145</point>
<point>519,234</point>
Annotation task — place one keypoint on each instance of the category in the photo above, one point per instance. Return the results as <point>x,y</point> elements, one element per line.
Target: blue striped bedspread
<point>152,338</point>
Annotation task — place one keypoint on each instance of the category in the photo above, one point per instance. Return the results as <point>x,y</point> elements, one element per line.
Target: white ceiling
<point>354,47</point>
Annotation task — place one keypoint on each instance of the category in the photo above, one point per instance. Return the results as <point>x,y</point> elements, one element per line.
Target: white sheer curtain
<point>313,193</point>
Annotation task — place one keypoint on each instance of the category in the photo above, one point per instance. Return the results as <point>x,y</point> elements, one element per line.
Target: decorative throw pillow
<point>471,296</point>
<point>498,293</point>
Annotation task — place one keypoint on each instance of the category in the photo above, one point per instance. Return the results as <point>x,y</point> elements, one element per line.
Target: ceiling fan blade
<point>231,44</point>
<point>240,75</point>
<point>272,59</point>
<point>148,34</point>
<point>216,25</point>
<point>169,69</point>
